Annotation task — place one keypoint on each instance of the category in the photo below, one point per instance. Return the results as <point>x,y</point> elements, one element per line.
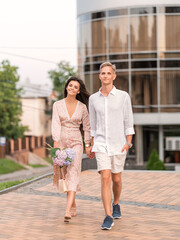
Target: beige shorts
<point>114,163</point>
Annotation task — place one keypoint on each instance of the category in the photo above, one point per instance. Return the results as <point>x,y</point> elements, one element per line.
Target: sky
<point>37,34</point>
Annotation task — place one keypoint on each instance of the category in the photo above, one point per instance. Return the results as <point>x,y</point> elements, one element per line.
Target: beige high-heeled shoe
<point>73,212</point>
<point>67,216</point>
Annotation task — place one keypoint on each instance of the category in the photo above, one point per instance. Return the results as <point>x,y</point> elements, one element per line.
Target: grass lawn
<point>5,185</point>
<point>9,166</point>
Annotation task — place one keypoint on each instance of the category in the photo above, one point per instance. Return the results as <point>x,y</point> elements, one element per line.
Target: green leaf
<point>53,152</point>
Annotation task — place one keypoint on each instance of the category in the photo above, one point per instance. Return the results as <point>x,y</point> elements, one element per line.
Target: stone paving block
<point>36,212</point>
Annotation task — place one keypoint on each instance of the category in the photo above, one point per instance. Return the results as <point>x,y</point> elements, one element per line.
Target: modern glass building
<point>142,38</point>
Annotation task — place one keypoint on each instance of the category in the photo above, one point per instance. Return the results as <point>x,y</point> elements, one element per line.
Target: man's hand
<point>126,147</point>
<point>89,152</point>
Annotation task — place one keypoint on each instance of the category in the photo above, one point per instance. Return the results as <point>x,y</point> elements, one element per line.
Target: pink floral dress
<point>66,131</point>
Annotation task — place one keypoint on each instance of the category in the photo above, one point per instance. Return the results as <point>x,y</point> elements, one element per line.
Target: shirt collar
<point>113,91</point>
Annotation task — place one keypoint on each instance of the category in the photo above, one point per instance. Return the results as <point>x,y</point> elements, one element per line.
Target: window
<point>144,91</point>
<point>169,32</point>
<point>170,89</point>
<point>98,15</point>
<point>143,33</point>
<point>118,35</point>
<point>144,64</point>
<point>118,12</point>
<point>98,37</point>
<point>96,82</point>
<point>145,10</point>
<point>121,81</point>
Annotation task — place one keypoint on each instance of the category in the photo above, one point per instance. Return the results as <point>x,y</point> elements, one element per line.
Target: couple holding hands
<point>107,121</point>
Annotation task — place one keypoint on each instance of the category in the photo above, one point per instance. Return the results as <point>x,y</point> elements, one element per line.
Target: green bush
<point>154,163</point>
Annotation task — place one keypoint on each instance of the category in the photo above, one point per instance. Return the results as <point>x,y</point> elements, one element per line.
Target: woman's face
<point>73,88</point>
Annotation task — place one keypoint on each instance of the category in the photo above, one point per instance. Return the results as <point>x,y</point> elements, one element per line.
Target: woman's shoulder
<point>82,105</point>
<point>58,102</point>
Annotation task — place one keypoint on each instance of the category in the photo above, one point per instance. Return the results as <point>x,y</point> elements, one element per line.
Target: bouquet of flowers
<point>63,157</point>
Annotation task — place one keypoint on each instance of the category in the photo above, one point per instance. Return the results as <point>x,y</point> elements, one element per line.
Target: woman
<point>68,115</point>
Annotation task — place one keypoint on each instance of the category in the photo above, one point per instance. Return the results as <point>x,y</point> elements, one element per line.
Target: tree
<point>10,102</point>
<point>154,163</point>
<point>60,75</point>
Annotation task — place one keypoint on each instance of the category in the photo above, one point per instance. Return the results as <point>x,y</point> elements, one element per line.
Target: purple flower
<point>70,153</point>
<point>61,155</point>
<point>60,162</point>
<point>67,163</point>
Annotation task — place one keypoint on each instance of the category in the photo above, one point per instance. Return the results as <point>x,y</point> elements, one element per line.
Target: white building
<point>35,105</point>
<point>142,38</point>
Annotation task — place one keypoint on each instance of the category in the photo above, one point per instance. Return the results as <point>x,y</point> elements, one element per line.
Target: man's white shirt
<point>111,119</point>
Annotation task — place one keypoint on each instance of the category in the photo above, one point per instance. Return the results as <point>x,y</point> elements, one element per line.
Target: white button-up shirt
<point>111,119</point>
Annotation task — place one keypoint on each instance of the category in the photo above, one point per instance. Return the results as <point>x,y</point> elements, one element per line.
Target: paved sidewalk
<point>150,205</point>
<point>25,174</point>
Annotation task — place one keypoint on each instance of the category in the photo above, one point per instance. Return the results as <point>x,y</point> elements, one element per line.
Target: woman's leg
<point>70,200</point>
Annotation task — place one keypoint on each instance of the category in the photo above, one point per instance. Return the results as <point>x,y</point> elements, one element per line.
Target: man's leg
<point>117,186</point>
<point>106,190</point>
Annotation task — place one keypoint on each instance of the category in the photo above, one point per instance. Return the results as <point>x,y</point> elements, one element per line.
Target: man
<point>111,122</point>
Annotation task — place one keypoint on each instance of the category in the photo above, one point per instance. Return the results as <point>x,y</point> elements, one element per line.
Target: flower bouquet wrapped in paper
<point>62,158</point>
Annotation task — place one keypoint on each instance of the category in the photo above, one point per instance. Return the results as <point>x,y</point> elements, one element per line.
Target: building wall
<point>143,39</point>
<point>86,6</point>
<point>35,118</point>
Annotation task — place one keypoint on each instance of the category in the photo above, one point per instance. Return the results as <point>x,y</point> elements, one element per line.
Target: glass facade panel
<point>98,15</point>
<point>121,65</point>
<point>169,9</point>
<point>143,55</point>
<point>170,64</point>
<point>169,33</point>
<point>170,55</point>
<point>84,42</point>
<point>144,91</point>
<point>99,58</point>
<point>96,66</point>
<point>170,89</point>
<point>96,82</point>
<point>118,35</point>
<point>118,56</point>
<point>144,64</point>
<point>145,10</point>
<point>87,68</point>
<point>84,17</point>
<point>121,81</point>
<point>118,12</point>
<point>87,82</point>
<point>143,33</point>
<point>150,140</point>
<point>98,37</point>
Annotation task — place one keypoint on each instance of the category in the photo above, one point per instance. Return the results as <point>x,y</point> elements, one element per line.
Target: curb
<point>10,189</point>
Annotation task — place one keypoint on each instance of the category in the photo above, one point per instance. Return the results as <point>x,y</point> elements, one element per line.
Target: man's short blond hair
<point>108,64</point>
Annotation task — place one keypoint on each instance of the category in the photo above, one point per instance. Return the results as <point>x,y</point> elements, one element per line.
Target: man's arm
<point>128,142</point>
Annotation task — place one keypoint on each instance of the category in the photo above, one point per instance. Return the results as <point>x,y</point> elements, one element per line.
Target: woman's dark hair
<point>83,96</point>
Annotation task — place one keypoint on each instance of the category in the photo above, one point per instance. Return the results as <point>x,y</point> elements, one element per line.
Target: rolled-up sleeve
<point>92,116</point>
<point>56,124</point>
<point>128,117</point>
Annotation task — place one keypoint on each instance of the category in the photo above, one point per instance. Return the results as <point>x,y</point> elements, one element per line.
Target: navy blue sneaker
<point>116,211</point>
<point>108,223</point>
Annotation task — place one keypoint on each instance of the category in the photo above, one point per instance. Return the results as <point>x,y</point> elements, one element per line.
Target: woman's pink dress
<point>66,131</point>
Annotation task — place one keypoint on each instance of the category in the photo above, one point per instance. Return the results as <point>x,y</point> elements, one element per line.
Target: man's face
<point>107,75</point>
